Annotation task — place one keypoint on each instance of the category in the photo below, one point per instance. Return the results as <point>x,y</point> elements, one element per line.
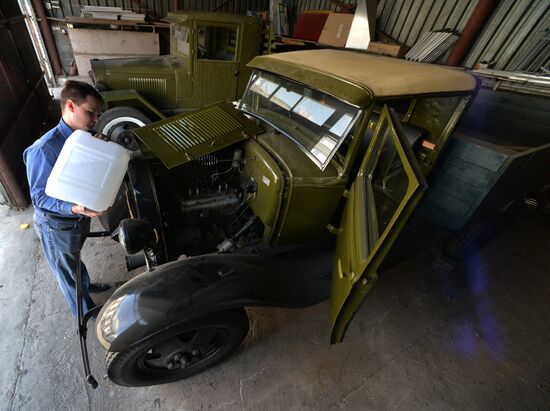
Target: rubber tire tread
<point>236,320</point>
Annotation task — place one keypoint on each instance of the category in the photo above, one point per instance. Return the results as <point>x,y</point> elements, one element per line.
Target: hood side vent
<point>148,86</point>
<point>197,128</point>
<point>187,136</point>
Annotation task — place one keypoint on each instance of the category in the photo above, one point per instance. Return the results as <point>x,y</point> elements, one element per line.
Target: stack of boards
<point>111,13</point>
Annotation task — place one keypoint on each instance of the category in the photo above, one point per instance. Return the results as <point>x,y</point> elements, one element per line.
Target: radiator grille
<point>149,86</point>
<point>197,128</point>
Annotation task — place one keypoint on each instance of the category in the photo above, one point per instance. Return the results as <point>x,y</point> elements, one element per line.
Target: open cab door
<point>386,190</point>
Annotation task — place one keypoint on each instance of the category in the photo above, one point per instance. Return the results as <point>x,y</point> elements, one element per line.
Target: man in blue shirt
<point>61,226</point>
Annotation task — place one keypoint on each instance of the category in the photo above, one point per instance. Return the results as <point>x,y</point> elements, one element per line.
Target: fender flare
<point>113,98</point>
<point>186,289</point>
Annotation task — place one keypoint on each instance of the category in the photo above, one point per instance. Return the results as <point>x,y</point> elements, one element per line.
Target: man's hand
<point>102,137</point>
<point>78,209</point>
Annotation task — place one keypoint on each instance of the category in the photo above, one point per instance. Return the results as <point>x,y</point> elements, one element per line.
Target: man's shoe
<point>98,287</point>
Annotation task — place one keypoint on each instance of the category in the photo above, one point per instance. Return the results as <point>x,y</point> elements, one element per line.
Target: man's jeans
<point>62,239</point>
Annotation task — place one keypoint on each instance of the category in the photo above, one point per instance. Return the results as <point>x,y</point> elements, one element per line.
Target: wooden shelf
<point>82,21</point>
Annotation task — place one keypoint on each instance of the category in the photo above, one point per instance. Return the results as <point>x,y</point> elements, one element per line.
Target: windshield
<point>316,121</point>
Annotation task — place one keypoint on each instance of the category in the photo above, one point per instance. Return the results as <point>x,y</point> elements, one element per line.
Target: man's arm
<point>40,162</point>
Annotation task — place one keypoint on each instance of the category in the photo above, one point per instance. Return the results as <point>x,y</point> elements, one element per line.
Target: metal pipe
<point>81,320</point>
<point>522,78</point>
<point>38,42</point>
<point>476,22</point>
<point>38,6</point>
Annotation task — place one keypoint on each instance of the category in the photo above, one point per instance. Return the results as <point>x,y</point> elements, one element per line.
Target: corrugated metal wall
<point>406,20</point>
<point>303,5</point>
<point>515,38</point>
<point>155,8</point>
<point>24,102</point>
<point>231,6</point>
<point>511,34</point>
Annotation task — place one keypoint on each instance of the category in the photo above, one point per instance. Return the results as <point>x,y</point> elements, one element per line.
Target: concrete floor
<point>478,338</point>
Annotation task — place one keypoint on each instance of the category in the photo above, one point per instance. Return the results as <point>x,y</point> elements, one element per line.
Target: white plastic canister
<point>88,171</point>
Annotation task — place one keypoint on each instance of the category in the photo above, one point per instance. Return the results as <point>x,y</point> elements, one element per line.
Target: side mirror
<point>136,235</point>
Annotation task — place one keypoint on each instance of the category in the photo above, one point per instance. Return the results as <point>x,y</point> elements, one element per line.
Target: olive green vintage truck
<point>206,64</point>
<point>311,176</point>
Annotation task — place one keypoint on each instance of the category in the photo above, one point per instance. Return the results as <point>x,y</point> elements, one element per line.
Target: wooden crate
<point>102,44</point>
<point>500,151</point>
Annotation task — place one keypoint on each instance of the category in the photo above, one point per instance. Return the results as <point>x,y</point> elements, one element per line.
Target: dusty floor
<point>478,338</point>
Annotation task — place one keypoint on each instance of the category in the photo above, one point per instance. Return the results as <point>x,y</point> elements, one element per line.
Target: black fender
<point>186,289</point>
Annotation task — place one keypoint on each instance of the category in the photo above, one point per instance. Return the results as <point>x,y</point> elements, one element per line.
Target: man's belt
<point>63,217</point>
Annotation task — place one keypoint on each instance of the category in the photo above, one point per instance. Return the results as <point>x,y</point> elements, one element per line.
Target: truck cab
<point>207,63</point>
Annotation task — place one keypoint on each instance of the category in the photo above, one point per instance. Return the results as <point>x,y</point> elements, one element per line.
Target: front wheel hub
<point>177,361</point>
<point>122,134</point>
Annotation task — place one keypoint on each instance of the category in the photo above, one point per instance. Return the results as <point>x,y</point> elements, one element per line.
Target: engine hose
<point>229,244</point>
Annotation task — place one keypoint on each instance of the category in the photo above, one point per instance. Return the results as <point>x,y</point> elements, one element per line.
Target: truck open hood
<point>184,137</point>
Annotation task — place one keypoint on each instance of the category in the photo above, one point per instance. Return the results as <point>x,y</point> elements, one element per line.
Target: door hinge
<point>333,230</point>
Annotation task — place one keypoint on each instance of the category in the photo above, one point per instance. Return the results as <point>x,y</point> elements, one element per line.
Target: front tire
<point>117,123</point>
<point>180,351</point>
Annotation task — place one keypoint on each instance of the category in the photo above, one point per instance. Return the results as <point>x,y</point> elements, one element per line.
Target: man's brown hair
<point>78,91</point>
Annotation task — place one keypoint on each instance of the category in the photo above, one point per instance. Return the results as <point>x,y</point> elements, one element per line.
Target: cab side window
<point>216,43</point>
<point>181,36</point>
<point>386,184</point>
<point>404,109</point>
<point>400,106</point>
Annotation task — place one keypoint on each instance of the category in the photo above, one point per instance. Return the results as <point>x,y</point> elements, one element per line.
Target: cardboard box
<point>394,50</point>
<point>309,25</point>
<point>336,29</point>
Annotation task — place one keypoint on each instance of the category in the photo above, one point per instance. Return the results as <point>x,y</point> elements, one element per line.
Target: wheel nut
<point>196,352</point>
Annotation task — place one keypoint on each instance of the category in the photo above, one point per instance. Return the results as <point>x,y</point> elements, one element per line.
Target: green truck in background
<point>207,63</point>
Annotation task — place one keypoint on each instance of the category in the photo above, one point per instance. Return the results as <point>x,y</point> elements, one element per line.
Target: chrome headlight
<point>136,234</point>
<point>107,326</point>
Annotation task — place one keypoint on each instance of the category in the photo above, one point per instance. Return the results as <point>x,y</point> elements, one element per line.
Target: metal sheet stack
<point>432,45</point>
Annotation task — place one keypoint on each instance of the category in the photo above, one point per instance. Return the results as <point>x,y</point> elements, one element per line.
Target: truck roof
<point>357,77</point>
<point>181,16</point>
